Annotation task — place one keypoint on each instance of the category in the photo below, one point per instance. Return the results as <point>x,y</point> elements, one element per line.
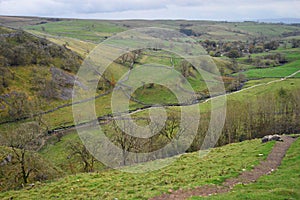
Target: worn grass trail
<point>265,167</point>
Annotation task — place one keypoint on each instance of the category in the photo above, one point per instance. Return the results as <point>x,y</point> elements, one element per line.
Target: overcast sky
<point>154,9</point>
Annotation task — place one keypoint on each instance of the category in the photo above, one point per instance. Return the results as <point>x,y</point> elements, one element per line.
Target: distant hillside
<point>281,20</point>
<point>18,22</point>
<point>98,30</point>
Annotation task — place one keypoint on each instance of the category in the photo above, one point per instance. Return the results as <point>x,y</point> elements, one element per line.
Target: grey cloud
<point>196,9</point>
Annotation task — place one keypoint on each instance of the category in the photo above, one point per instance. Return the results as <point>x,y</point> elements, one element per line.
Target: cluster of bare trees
<point>269,114</point>
<point>22,141</point>
<point>81,154</point>
<point>6,76</point>
<point>276,113</point>
<point>237,49</point>
<point>128,59</point>
<point>271,60</point>
<point>127,143</point>
<point>25,165</point>
<point>254,118</point>
<point>295,43</point>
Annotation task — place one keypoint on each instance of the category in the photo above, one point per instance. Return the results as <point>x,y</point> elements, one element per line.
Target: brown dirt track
<point>265,167</point>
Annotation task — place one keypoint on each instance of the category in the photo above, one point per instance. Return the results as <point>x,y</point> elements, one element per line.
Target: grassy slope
<point>56,151</point>
<point>271,89</point>
<point>58,154</point>
<point>284,183</point>
<point>79,46</point>
<point>292,55</point>
<point>186,172</point>
<point>281,71</point>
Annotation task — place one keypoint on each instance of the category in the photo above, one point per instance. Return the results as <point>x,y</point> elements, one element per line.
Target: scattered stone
<point>268,138</point>
<point>64,82</point>
<point>6,160</point>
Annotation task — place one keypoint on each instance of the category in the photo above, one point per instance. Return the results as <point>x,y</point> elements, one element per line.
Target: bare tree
<point>125,141</point>
<point>185,68</point>
<point>19,105</point>
<point>22,141</point>
<point>170,133</point>
<point>79,150</point>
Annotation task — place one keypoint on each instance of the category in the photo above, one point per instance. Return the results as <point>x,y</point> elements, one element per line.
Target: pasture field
<point>275,72</point>
<point>89,30</point>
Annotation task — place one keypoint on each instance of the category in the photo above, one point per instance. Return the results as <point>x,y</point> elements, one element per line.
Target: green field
<point>293,65</point>
<point>89,30</point>
<point>275,72</point>
<point>187,171</point>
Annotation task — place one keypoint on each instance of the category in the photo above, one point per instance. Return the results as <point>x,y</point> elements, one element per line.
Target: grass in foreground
<point>186,172</point>
<point>284,183</point>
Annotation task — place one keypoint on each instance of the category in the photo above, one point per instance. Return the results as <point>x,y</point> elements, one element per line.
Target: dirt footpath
<point>265,167</point>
